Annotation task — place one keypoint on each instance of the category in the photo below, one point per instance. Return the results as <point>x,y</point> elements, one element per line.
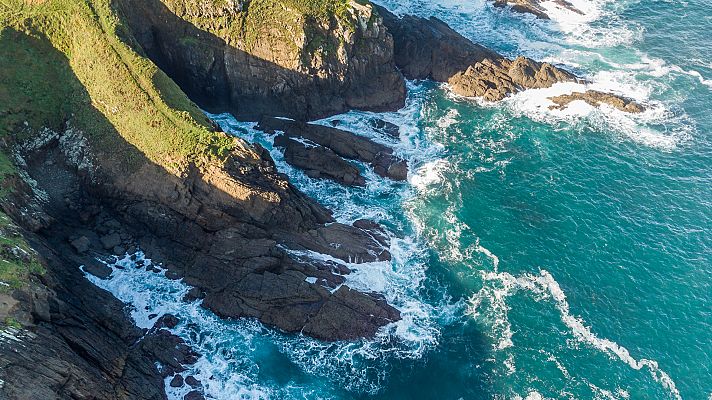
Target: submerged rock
<point>534,6</point>
<point>596,98</point>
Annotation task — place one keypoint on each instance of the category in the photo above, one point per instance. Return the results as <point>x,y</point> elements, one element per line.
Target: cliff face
<point>102,153</point>
<point>271,57</point>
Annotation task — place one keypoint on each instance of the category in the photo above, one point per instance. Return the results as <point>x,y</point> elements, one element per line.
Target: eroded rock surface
<point>429,48</point>
<point>319,161</point>
<point>226,228</point>
<point>343,143</point>
<point>596,98</point>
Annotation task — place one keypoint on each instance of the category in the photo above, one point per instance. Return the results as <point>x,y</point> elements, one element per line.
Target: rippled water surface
<point>537,253</point>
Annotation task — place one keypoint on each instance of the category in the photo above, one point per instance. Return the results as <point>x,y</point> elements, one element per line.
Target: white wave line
<point>584,334</point>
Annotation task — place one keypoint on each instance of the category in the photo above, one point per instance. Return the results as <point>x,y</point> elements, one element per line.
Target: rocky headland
<point>104,151</point>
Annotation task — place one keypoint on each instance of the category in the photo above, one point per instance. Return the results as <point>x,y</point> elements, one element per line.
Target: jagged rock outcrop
<point>319,162</point>
<point>269,57</point>
<point>596,98</point>
<point>495,80</point>
<point>430,49</point>
<point>115,158</point>
<point>534,6</point>
<point>74,340</point>
<point>343,143</point>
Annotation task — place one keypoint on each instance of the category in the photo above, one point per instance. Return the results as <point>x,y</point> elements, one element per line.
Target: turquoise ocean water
<point>538,254</point>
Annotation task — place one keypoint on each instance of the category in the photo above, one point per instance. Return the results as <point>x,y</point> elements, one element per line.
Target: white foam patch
<point>537,105</point>
<point>225,368</point>
<point>577,42</point>
<point>399,281</point>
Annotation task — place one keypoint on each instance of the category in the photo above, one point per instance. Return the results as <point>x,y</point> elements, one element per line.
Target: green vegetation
<point>268,22</point>
<point>69,63</point>
<point>64,63</point>
<point>12,323</point>
<point>17,259</point>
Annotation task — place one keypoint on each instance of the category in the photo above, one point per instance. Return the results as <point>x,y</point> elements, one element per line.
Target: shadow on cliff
<point>82,343</point>
<point>97,329</point>
<point>221,77</point>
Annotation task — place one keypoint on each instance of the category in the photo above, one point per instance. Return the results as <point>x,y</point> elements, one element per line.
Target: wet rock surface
<point>342,143</point>
<point>319,161</point>
<point>534,6</point>
<point>596,98</point>
<point>430,49</point>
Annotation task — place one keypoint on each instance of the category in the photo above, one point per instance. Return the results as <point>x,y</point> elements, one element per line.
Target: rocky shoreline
<point>224,219</point>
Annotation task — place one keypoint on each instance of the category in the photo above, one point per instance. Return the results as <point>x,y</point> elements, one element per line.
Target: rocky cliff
<point>303,60</point>
<point>429,48</point>
<point>103,153</point>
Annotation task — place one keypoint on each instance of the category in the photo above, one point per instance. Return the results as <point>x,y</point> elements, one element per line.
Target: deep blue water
<point>537,253</point>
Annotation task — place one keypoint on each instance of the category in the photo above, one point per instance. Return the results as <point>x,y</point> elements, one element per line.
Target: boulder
<point>192,381</point>
<point>385,127</point>
<point>177,381</point>
<point>110,241</point>
<point>81,244</point>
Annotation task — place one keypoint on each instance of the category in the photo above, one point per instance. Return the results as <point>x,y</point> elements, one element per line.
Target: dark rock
<point>385,127</point>
<point>98,269</point>
<point>119,250</point>
<point>319,162</point>
<point>350,314</point>
<point>177,381</point>
<point>343,143</point>
<point>194,395</point>
<point>429,48</point>
<point>81,245</point>
<point>193,294</point>
<point>169,350</point>
<point>169,321</point>
<point>534,6</point>
<point>172,275</point>
<point>355,245</point>
<point>110,241</point>
<point>192,381</point>
<point>276,75</point>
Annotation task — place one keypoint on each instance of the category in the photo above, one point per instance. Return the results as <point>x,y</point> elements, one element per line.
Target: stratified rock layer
<point>339,142</point>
